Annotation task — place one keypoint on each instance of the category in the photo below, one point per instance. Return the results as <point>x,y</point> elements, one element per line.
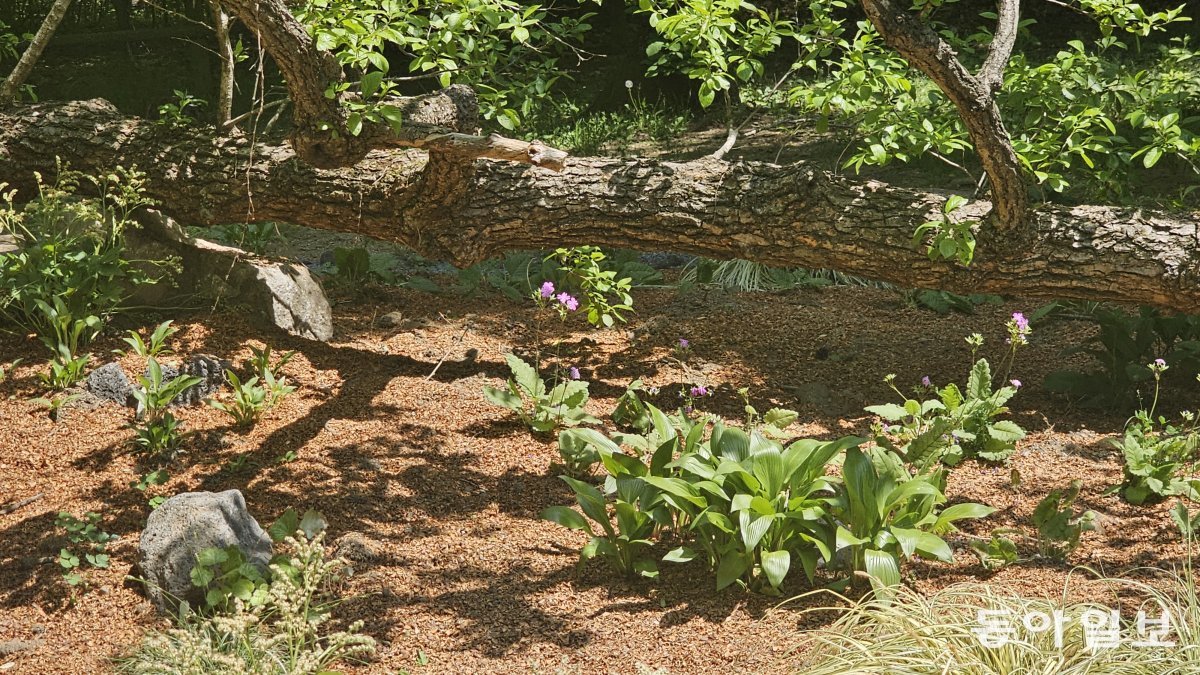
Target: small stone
<point>109,382</point>
<point>356,547</point>
<point>390,320</point>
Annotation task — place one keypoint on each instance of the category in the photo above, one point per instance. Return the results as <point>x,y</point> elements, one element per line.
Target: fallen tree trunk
<point>465,211</point>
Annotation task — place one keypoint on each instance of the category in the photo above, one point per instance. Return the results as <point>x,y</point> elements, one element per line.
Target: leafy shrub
<point>280,634</point>
<point>1123,344</point>
<point>157,346</point>
<point>1155,459</point>
<point>261,392</point>
<point>87,540</point>
<point>997,552</point>
<point>540,409</point>
<point>70,256</point>
<point>883,513</point>
<point>622,546</point>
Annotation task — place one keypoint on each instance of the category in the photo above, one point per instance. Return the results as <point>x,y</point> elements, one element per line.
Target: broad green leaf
<point>775,565</point>
<point>733,565</point>
<point>566,517</point>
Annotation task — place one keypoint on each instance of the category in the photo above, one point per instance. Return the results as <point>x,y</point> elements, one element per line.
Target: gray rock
<point>110,382</point>
<point>183,526</point>
<point>210,370</point>
<point>283,294</point>
<point>390,320</point>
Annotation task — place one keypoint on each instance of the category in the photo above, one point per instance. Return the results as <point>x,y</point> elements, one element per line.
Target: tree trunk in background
<point>12,84</point>
<point>465,211</point>
<point>224,105</point>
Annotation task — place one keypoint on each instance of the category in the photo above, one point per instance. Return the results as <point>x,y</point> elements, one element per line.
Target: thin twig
<point>458,340</point>
<point>23,503</point>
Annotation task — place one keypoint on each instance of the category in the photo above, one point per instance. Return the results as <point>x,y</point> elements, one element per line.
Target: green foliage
<point>771,423</point>
<point>1058,525</point>
<point>258,394</point>
<point>956,425</point>
<point>631,412</point>
<point>1091,115</point>
<point>948,238</point>
<point>1187,522</point>
<point>883,513</point>
<point>224,574</point>
<point>603,295</point>
<point>622,546</point>
<point>179,111</point>
<point>1158,463</point>
<point>565,123</point>
<point>157,345</point>
<point>280,634</point>
<point>752,509</point>
<point>69,272</point>
<point>5,370</point>
<point>1122,345</point>
<point>507,51</point>
<point>149,480</point>
<point>718,43</point>
<point>156,430</point>
<point>944,302</point>
<point>539,408</point>
<point>995,553</point>
<point>253,237</point>
<point>87,540</point>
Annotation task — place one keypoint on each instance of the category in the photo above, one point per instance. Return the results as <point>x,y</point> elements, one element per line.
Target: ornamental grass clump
<point>978,629</point>
<point>281,635</point>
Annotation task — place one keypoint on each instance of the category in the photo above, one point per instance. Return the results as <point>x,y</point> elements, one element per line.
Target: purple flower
<point>1015,383</point>
<point>683,343</point>
<point>1160,363</point>
<point>568,301</point>
<point>574,373</point>
<point>1019,319</point>
<point>926,382</point>
<point>547,289</point>
<point>697,392</point>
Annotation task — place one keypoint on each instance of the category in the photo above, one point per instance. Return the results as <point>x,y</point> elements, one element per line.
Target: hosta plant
<point>624,546</point>
<point>156,429</point>
<point>539,408</point>
<point>883,513</point>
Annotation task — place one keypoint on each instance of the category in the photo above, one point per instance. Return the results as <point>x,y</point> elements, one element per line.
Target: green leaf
<point>1152,156</point>
<point>912,541</point>
<point>503,398</point>
<point>566,517</point>
<point>883,568</point>
<point>285,527</point>
<point>525,376</point>
<point>312,524</point>
<point>888,411</point>
<point>212,556</point>
<point>370,83</point>
<point>733,565</point>
<point>979,384</point>
<point>681,554</point>
<point>775,565</point>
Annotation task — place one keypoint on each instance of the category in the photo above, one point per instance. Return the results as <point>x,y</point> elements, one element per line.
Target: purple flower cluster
<point>1018,329</point>
<point>698,391</point>
<point>565,299</point>
<point>926,382</point>
<point>683,343</point>
<point>574,373</point>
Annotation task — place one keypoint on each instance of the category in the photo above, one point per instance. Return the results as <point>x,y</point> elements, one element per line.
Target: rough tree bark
<point>972,95</point>
<point>467,211</point>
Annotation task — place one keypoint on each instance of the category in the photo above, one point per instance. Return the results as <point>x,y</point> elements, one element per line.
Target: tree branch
<point>991,73</point>
<point>12,83</point>
<point>924,49</point>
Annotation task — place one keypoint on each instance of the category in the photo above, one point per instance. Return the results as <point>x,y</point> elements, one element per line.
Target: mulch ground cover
<point>439,492</point>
